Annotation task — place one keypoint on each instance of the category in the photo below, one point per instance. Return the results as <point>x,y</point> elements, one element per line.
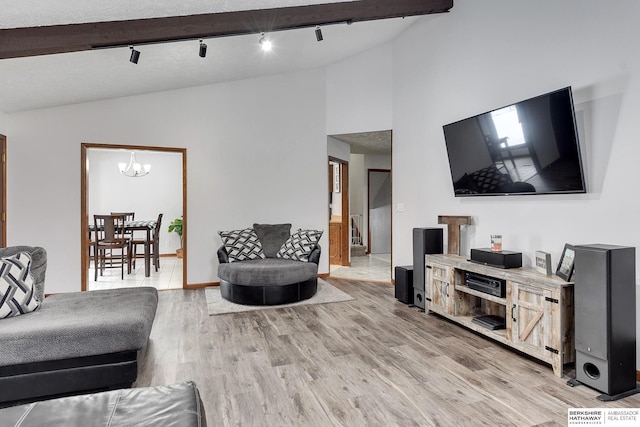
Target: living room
<point>257,152</point>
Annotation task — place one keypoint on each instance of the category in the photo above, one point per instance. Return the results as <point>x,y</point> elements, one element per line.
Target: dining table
<point>140,225</point>
<point>148,226</point>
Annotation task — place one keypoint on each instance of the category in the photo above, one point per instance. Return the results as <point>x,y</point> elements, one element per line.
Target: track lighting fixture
<point>318,33</point>
<point>265,43</point>
<point>135,55</point>
<point>203,49</point>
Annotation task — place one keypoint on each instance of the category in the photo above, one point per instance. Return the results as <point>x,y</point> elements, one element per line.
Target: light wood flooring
<point>372,361</point>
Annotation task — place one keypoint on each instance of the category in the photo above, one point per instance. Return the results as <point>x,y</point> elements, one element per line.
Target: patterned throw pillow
<point>17,290</point>
<point>241,244</point>
<point>299,245</point>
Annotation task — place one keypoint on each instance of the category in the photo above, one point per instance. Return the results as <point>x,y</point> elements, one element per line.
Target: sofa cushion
<point>272,237</point>
<point>267,272</point>
<point>299,245</point>
<point>79,324</point>
<point>17,289</point>
<point>241,245</point>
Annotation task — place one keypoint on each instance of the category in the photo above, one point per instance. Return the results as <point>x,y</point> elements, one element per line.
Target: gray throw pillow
<point>272,237</point>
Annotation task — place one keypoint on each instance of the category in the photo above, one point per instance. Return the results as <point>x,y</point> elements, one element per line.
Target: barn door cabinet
<point>438,293</point>
<point>538,309</point>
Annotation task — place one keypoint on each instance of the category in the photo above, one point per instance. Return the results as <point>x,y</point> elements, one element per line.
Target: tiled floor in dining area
<point>368,267</point>
<point>169,276</point>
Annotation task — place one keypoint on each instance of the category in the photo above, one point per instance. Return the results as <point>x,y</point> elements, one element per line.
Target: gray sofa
<point>270,280</point>
<point>74,342</point>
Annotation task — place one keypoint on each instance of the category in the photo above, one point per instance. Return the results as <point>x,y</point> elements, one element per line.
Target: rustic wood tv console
<point>538,309</point>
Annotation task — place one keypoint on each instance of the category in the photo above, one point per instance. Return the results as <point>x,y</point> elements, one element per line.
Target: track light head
<point>135,55</point>
<point>319,33</point>
<point>265,43</point>
<point>203,49</point>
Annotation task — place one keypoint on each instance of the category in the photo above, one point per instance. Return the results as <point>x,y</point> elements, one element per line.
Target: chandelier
<point>134,169</point>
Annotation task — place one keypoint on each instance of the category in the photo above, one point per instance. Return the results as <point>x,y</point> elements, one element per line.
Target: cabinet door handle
<point>514,310</point>
<point>447,290</point>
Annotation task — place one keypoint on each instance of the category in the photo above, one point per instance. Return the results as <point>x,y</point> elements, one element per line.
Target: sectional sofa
<point>67,343</point>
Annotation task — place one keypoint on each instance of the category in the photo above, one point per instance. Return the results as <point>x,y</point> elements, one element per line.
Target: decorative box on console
<point>501,259</point>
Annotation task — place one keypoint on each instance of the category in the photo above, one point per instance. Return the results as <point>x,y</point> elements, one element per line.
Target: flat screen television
<point>530,147</point>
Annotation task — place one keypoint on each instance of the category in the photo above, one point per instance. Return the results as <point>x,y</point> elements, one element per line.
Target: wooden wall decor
<point>453,231</point>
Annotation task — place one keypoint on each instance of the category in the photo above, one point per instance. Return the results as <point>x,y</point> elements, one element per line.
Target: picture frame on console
<point>543,262</point>
<point>565,266</point>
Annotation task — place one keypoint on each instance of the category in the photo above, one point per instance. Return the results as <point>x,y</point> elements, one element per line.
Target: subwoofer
<point>404,284</point>
<point>425,241</point>
<point>605,319</point>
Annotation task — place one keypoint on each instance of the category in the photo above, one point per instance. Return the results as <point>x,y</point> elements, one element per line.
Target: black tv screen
<point>530,147</point>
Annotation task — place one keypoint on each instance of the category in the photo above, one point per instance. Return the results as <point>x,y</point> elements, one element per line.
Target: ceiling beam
<point>47,40</point>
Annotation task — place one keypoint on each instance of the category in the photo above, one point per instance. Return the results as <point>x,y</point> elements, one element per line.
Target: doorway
<point>364,152</point>
<point>104,189</point>
<point>339,229</point>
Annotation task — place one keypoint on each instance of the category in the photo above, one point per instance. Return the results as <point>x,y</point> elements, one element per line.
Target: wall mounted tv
<point>530,147</point>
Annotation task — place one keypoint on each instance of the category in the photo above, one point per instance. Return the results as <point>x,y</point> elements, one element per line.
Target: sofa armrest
<point>223,256</point>
<point>314,256</point>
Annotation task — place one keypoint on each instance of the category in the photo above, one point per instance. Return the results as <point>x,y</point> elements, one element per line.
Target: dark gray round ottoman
<point>269,281</point>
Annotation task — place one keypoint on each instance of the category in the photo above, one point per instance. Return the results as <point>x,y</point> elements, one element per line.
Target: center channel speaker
<point>425,241</point>
<point>605,319</point>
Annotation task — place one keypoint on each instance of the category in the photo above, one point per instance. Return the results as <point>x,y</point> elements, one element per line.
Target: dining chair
<point>128,216</point>
<point>109,238</point>
<point>154,245</point>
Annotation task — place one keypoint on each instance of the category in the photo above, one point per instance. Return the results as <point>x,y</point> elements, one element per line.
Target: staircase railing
<point>356,227</point>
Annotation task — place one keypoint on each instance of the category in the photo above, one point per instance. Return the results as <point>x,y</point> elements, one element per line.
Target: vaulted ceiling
<point>55,52</point>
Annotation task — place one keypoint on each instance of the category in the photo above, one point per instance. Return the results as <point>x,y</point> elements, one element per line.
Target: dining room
<point>139,192</point>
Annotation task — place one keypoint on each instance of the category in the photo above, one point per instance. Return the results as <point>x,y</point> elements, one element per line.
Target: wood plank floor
<point>372,361</point>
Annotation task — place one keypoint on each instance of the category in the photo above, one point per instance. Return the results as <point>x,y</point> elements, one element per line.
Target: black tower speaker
<point>605,319</point>
<point>404,284</point>
<point>425,241</point>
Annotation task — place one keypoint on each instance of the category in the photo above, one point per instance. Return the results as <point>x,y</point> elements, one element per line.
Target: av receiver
<point>488,285</point>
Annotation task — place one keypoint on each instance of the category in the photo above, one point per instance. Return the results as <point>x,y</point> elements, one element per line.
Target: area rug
<point>218,305</point>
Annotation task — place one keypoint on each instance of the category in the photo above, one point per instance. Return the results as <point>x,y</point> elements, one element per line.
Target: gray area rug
<point>218,305</point>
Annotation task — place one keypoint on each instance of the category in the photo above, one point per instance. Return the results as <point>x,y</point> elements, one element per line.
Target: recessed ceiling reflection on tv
<point>530,147</point>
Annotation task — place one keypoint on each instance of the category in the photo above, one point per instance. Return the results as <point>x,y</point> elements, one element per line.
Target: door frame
<point>346,229</point>
<point>3,199</point>
<point>84,197</point>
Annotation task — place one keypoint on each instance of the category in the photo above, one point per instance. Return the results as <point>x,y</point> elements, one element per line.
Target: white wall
<point>487,54</point>
<point>147,196</point>
<point>272,171</point>
<point>3,123</point>
<point>359,92</point>
<point>338,149</point>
